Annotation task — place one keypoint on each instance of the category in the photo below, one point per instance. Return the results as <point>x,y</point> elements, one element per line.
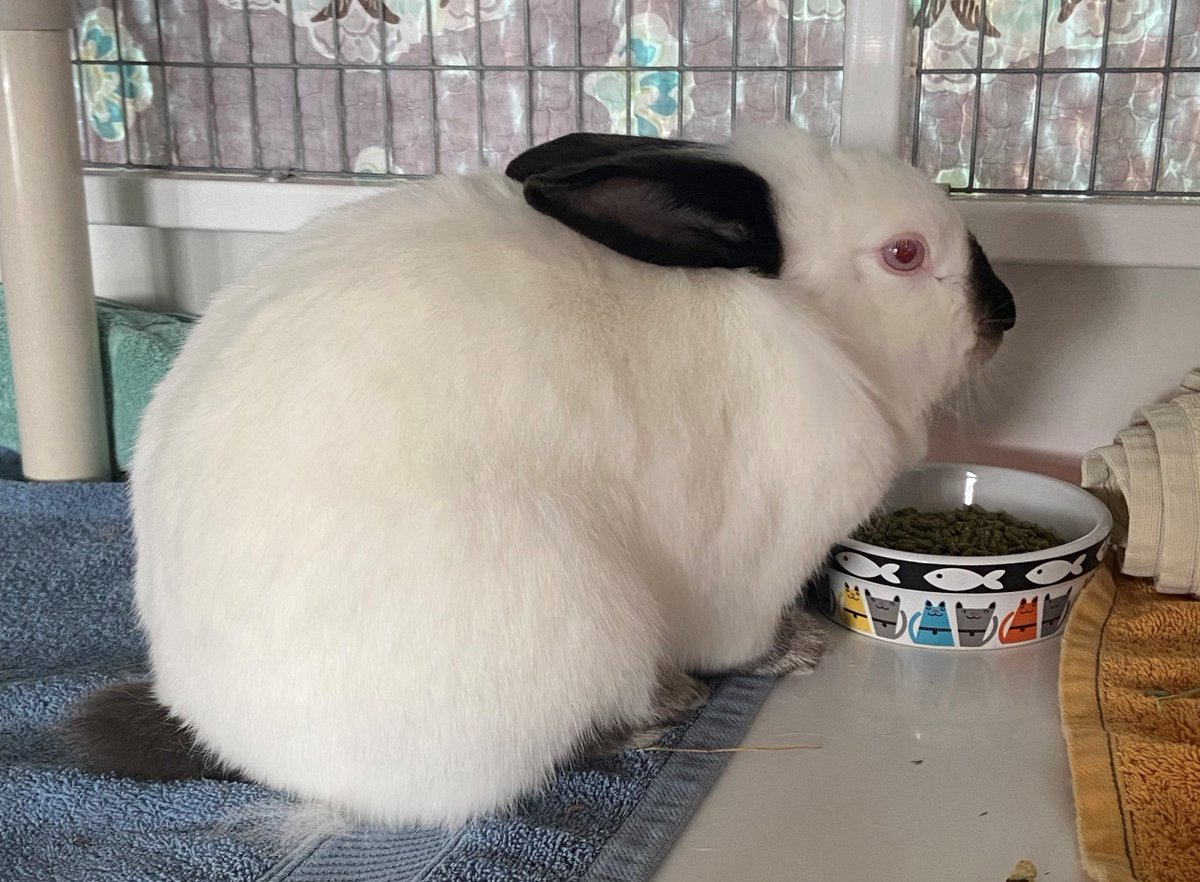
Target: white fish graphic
<point>1055,571</point>
<point>865,568</point>
<point>955,579</point>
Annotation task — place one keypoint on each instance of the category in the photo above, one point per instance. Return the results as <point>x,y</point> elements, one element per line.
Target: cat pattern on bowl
<point>820,595</point>
<point>887,618</point>
<point>854,613</point>
<point>934,628</point>
<point>1020,624</point>
<point>973,624</point>
<point>1054,612</point>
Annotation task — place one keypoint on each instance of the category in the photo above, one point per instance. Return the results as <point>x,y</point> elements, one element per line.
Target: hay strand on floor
<point>753,748</point>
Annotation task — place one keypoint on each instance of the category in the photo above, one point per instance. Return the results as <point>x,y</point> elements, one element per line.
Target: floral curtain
<point>414,86</point>
<point>1042,82</point>
<point>417,86</point>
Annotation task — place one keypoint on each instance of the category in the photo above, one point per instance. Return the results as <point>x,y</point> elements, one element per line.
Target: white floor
<point>934,766</point>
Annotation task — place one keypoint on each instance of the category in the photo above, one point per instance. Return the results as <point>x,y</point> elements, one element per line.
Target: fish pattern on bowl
<point>966,577</point>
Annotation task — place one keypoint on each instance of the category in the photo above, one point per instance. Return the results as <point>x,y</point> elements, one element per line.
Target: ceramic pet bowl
<point>948,602</point>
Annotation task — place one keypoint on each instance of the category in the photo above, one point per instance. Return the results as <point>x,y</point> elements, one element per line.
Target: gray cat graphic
<point>1054,611</point>
<point>819,595</point>
<point>886,616</point>
<point>973,624</point>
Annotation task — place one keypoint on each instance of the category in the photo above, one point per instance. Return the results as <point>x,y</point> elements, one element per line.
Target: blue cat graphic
<point>932,626</point>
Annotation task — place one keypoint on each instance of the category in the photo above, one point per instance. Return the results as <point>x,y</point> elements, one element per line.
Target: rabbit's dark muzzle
<point>993,301</point>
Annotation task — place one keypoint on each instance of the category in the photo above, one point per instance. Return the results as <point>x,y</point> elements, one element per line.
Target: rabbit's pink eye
<point>904,255</point>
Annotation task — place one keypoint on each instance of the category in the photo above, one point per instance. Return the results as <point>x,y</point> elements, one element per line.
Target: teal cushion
<point>137,347</point>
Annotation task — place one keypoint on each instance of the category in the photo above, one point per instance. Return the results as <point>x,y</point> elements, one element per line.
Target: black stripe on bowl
<point>968,578</point>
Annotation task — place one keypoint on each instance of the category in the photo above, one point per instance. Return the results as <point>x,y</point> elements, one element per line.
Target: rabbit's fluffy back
<point>434,493</point>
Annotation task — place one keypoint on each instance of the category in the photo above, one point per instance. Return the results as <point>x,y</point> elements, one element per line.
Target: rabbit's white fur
<point>435,493</point>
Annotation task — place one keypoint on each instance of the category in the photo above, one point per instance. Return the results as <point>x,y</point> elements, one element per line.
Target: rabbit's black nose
<point>993,300</point>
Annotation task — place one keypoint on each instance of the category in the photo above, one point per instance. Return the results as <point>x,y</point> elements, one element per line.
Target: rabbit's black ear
<point>583,147</point>
<point>672,208</point>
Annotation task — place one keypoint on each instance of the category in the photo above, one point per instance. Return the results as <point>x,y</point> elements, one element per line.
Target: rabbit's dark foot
<point>678,694</point>
<point>799,644</point>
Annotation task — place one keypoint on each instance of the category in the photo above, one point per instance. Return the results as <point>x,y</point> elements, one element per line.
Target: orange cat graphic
<point>1020,624</point>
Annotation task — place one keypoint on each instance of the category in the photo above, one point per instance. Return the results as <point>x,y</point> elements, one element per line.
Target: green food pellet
<point>969,531</point>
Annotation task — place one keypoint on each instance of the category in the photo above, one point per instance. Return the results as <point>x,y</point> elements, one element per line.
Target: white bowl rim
<point>1096,534</point>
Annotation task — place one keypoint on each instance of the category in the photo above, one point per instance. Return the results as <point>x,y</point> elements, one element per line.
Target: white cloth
<point>1150,479</point>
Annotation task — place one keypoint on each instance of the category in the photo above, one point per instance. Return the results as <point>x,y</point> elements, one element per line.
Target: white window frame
<point>1105,231</point>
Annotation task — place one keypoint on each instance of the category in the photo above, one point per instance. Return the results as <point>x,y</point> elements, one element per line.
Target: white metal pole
<point>874,74</point>
<point>48,289</point>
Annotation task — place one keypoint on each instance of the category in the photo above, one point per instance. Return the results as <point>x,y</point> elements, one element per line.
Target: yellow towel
<point>1130,660</point>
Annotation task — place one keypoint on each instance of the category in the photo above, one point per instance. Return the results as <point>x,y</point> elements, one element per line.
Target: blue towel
<point>66,627</point>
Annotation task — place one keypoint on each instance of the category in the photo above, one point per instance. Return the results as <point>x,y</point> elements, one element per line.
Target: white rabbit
<point>473,475</point>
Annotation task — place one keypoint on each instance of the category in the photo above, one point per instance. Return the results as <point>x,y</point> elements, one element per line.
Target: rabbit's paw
<point>678,694</point>
<point>799,644</point>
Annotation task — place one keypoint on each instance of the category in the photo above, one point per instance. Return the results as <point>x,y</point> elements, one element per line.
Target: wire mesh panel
<point>1059,96</point>
<point>412,87</point>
